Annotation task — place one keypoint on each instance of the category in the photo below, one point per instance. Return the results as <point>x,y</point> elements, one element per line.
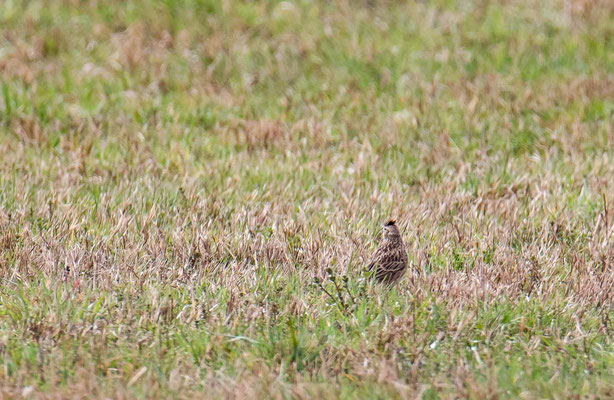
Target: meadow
<point>190,190</point>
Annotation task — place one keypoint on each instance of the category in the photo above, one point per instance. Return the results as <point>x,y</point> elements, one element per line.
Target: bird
<point>389,262</point>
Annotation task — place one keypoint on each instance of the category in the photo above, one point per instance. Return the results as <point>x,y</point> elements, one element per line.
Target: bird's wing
<point>389,269</point>
<point>388,261</point>
<point>377,258</point>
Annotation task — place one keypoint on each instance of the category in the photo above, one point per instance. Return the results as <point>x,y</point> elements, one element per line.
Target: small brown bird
<point>390,259</point>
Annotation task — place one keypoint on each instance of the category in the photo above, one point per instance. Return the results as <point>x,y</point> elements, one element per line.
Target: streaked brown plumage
<point>390,259</point>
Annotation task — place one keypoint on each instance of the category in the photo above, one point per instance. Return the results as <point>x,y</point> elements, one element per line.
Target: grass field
<point>175,176</point>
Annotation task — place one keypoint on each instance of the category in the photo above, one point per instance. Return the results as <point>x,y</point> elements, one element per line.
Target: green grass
<point>174,175</point>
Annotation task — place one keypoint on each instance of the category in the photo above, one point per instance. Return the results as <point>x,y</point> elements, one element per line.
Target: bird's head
<point>390,230</point>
